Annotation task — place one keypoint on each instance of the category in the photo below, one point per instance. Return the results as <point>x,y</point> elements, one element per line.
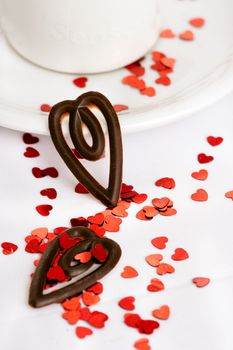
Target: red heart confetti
<point>83,257</point>
<point>127,303</point>
<point>129,272</point>
<point>197,22</point>
<point>51,171</point>
<point>40,232</point>
<point>200,195</point>
<point>66,242</point>
<point>229,194</point>
<point>97,319</point>
<point>81,189</point>
<point>99,252</point>
<point>142,344</point>
<point>201,281</point>
<point>72,317</point>
<point>180,254</point>
<point>51,193</point>
<point>187,35</point>
<point>159,242</point>
<point>168,62</point>
<point>31,152</point>
<point>203,158</point>
<point>162,313</point>
<point>155,285</point>
<point>136,68</point>
<point>44,209</point>
<point>167,33</point>
<point>82,332</point>
<point>8,248</point>
<point>80,82</point>
<point>164,268</point>
<point>214,141</point>
<point>154,259</point>
<point>45,107</point>
<point>200,175</point>
<point>166,182</point>
<point>80,221</point>
<point>120,108</point>
<point>29,139</point>
<point>112,224</point>
<point>148,91</point>
<point>56,273</point>
<point>96,288</point>
<point>90,298</point>
<point>72,304</point>
<point>148,326</point>
<point>163,80</point>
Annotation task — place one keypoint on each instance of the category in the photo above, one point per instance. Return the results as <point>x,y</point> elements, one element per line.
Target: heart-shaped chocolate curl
<point>105,254</point>
<point>80,113</point>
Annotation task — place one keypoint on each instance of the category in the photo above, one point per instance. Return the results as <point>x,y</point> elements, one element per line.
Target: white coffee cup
<point>80,36</point>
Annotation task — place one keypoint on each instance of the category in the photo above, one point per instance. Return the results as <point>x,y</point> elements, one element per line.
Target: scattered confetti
<point>166,182</point>
<point>203,158</point>
<point>200,175</point>
<point>29,139</point>
<point>129,272</point>
<point>180,254</point>
<point>44,209</point>
<point>201,281</point>
<point>167,33</point>
<point>214,141</point>
<point>154,259</point>
<point>200,195</point>
<point>45,107</point>
<point>164,268</point>
<point>31,152</point>
<point>162,313</point>
<point>82,332</point>
<point>120,108</point>
<point>187,35</point>
<point>127,303</point>
<point>155,285</point>
<point>197,22</point>
<point>142,344</point>
<point>80,82</point>
<point>8,248</point>
<point>143,326</point>
<point>51,193</point>
<point>229,194</point>
<point>159,242</point>
<point>39,173</point>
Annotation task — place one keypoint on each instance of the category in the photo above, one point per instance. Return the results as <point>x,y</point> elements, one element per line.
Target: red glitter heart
<point>201,281</point>
<point>163,80</point>
<point>120,108</point>
<point>81,189</point>
<point>30,139</point>
<point>44,209</point>
<point>39,173</point>
<point>99,252</point>
<point>82,332</point>
<point>8,248</point>
<point>97,319</point>
<point>45,107</point>
<point>180,254</point>
<point>159,242</point>
<point>214,141</point>
<point>127,303</point>
<point>80,82</point>
<point>31,152</point>
<point>166,182</point>
<point>203,158</point>
<point>197,22</point>
<point>51,193</point>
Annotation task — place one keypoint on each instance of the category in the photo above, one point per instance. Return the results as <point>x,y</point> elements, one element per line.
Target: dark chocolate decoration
<point>89,240</point>
<point>80,113</point>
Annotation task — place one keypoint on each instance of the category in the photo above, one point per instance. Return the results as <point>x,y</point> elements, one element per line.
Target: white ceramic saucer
<point>203,74</point>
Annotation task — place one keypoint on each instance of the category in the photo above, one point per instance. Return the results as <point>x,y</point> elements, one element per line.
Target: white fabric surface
<point>200,318</point>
